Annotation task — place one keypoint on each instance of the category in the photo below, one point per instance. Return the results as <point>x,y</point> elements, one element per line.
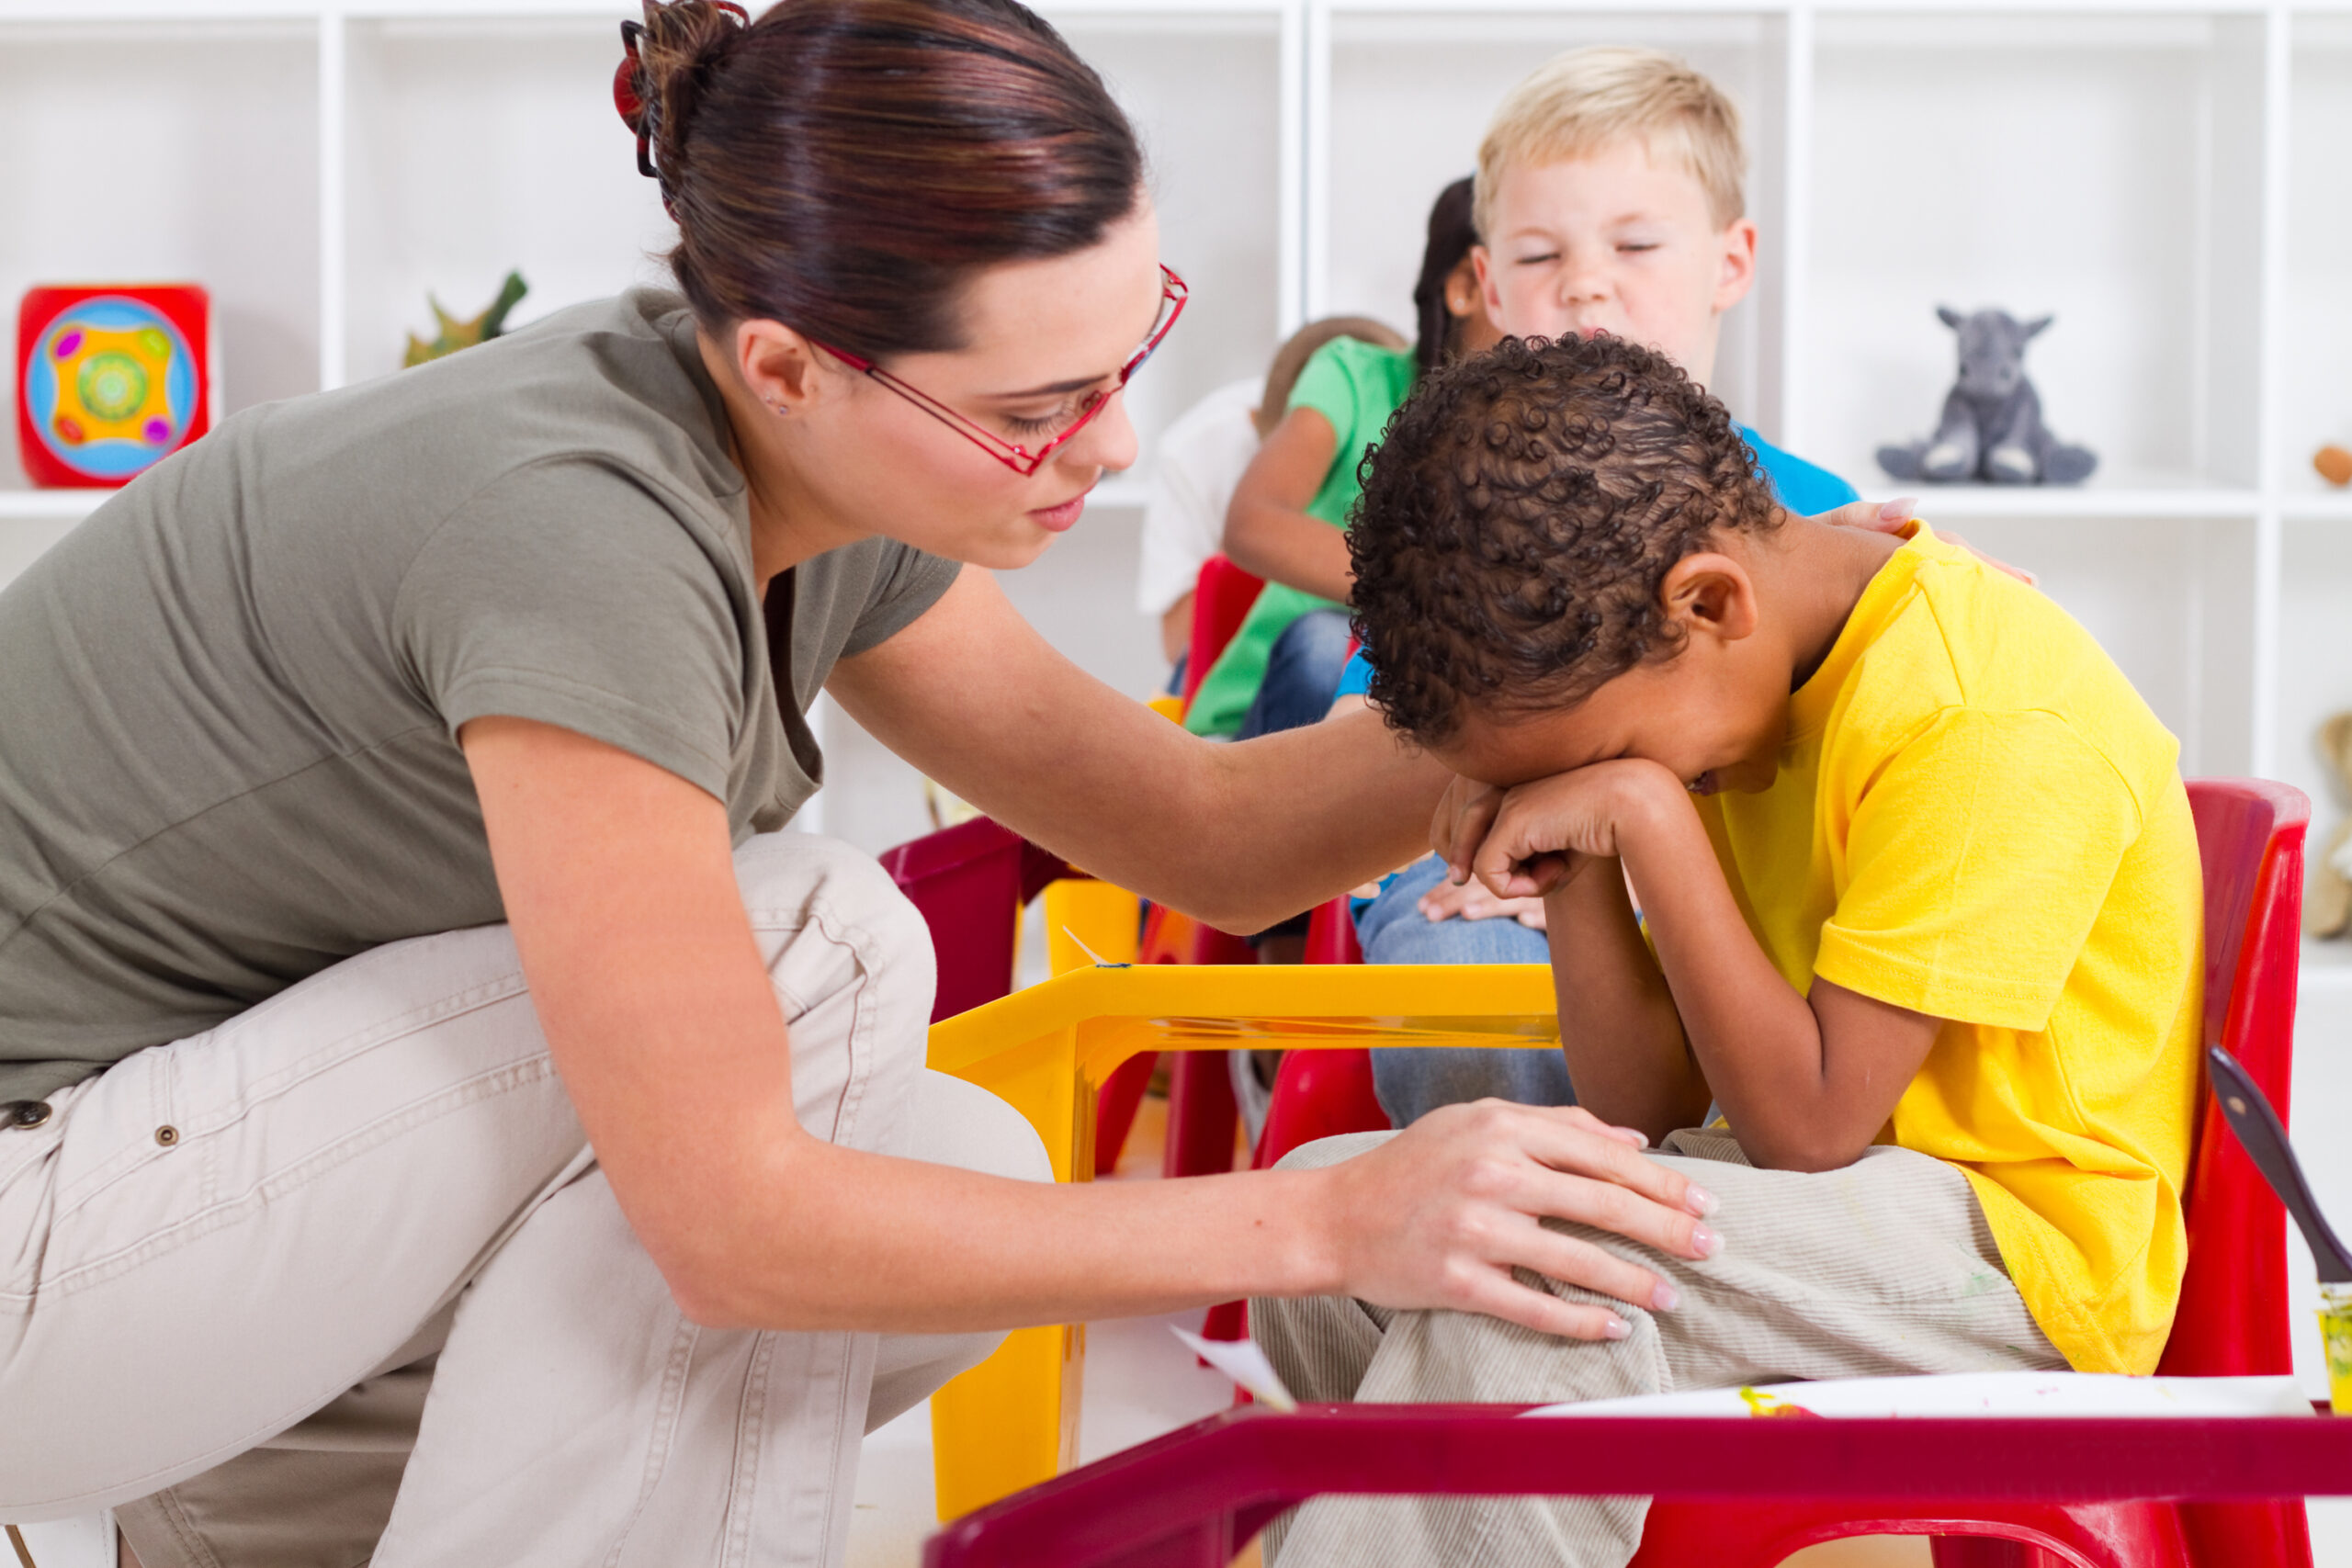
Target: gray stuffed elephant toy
<point>1992,431</point>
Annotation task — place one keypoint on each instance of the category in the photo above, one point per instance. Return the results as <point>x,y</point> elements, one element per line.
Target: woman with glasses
<point>406,980</point>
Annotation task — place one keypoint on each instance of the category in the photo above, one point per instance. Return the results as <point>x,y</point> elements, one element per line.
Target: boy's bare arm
<point>1805,1083</point>
<point>1624,1039</point>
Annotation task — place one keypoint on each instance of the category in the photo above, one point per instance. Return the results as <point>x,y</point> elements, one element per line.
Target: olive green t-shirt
<point>229,700</point>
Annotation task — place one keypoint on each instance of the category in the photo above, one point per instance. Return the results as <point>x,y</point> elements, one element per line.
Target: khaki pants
<point>1880,1269</point>
<point>344,1268</point>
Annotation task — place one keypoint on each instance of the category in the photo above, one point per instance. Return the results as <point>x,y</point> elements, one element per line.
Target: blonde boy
<point>1608,199</point>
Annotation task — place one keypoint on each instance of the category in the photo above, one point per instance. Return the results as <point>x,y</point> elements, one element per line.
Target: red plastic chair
<point>1222,596</point>
<point>971,882</point>
<point>2019,1494</point>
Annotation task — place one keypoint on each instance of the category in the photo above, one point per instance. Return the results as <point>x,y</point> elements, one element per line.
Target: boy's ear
<point>1736,275</point>
<point>1710,595</point>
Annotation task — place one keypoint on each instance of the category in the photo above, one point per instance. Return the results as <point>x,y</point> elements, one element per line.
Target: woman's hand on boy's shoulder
<point>1438,1216</point>
<point>1891,516</point>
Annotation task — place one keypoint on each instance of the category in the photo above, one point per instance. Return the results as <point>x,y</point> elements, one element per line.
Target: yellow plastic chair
<point>1013,1420</point>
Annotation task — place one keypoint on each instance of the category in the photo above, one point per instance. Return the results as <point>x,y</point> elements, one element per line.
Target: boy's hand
<point>1541,834</point>
<point>1463,814</point>
<point>1439,1215</point>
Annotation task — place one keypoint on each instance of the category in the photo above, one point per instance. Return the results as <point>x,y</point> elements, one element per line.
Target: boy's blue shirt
<point>1803,488</point>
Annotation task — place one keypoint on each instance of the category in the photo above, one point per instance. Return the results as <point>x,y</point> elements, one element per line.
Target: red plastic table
<point>1194,1498</point>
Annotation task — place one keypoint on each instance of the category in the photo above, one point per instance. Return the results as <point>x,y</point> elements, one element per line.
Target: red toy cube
<point>110,378</point>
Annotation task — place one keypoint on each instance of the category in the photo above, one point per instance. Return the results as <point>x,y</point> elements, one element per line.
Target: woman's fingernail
<point>1665,1298</point>
<point>1699,1200</point>
<point>1617,1328</point>
<point>1900,510</point>
<point>1705,1242</point>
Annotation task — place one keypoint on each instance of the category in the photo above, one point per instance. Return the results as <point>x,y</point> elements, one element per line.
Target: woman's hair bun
<point>846,166</point>
<point>673,56</point>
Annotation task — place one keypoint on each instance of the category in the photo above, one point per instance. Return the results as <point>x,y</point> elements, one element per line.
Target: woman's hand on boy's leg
<point>1889,517</point>
<point>1438,1216</point>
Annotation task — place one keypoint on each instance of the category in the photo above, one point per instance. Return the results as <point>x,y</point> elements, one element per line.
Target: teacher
<point>408,982</point>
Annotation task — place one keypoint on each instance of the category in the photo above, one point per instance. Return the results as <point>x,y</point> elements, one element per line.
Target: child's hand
<point>1463,814</point>
<point>1470,901</point>
<point>1542,834</point>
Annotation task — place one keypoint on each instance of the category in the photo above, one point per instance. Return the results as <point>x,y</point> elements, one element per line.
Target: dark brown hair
<point>1518,521</point>
<point>844,166</point>
<point>1450,238</point>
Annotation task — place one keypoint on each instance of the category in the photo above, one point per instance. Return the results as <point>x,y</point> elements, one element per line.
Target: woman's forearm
<point>1234,834</point>
<point>897,1246</point>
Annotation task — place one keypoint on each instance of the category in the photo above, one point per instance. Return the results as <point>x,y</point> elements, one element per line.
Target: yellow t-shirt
<point>1976,818</point>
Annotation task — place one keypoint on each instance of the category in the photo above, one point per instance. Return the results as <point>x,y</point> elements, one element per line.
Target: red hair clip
<point>637,108</point>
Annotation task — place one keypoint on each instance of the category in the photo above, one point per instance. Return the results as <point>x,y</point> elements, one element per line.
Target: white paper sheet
<point>1241,1361</point>
<point>1972,1393</point>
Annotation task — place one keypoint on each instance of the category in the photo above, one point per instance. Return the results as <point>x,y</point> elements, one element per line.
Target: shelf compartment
<point>2051,503</point>
<point>2104,167</point>
<point>1216,168</point>
<point>2315,386</point>
<point>184,151</point>
<point>479,147</point>
<point>2314,682</point>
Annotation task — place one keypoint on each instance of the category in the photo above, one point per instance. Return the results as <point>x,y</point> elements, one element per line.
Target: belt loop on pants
<point>23,1113</point>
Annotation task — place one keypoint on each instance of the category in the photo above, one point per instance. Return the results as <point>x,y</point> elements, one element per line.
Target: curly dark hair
<point>1518,521</point>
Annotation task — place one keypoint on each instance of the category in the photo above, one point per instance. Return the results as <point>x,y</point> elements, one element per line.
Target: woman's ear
<point>1710,595</point>
<point>778,366</point>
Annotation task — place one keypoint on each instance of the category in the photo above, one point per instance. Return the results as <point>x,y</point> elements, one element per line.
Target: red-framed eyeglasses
<point>1012,454</point>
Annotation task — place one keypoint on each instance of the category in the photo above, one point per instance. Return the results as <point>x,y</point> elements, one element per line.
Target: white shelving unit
<point>2166,176</point>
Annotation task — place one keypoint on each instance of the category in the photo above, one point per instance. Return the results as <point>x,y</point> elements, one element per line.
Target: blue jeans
<point>1412,1081</point>
<point>1301,674</point>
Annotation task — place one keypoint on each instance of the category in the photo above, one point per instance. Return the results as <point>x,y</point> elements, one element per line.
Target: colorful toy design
<point>111,379</point>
